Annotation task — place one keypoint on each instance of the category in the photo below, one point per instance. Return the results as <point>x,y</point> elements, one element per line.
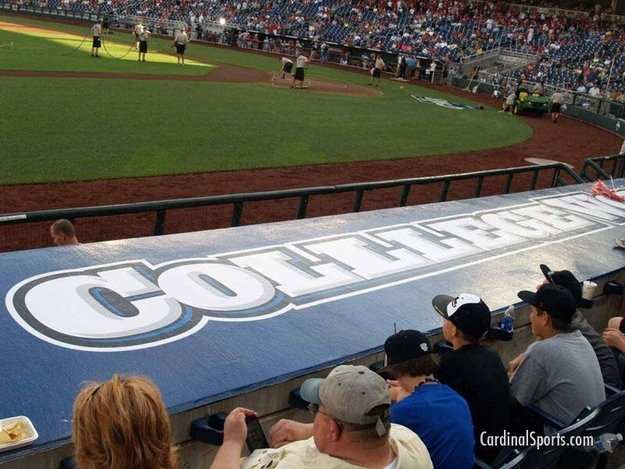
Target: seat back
<point>606,418</point>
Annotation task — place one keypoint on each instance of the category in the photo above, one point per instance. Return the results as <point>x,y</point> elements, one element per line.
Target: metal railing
<point>603,167</point>
<point>556,171</point>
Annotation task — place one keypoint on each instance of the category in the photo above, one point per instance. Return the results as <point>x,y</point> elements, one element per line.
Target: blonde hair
<point>122,424</point>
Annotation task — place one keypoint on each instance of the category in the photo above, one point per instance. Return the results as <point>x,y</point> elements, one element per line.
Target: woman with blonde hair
<point>122,424</point>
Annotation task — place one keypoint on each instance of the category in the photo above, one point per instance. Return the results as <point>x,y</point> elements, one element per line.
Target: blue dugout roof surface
<point>212,314</point>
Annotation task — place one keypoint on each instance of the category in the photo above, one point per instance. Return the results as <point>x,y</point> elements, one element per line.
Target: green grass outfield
<point>65,129</point>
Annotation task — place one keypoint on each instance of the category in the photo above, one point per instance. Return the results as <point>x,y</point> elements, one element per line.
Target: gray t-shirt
<point>560,375</point>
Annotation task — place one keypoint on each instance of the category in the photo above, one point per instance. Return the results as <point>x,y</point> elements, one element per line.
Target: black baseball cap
<point>566,279</point>
<point>467,312</point>
<point>555,300</point>
<point>406,345</point>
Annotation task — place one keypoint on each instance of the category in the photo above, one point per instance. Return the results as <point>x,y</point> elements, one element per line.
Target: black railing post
<point>597,168</point>
<point>556,176</point>
<point>445,190</point>
<point>404,195</point>
<point>478,188</point>
<point>360,193</point>
<point>534,179</point>
<point>159,224</point>
<point>506,189</point>
<point>237,212</point>
<point>303,207</point>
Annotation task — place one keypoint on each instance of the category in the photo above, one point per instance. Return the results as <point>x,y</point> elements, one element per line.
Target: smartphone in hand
<point>255,435</point>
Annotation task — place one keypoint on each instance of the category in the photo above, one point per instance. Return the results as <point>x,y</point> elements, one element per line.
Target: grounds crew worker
<point>300,63</point>
<point>143,44</point>
<point>180,42</point>
<point>138,30</point>
<point>96,32</point>
<point>287,66</point>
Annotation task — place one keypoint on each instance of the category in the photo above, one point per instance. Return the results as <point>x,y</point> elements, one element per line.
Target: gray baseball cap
<point>349,393</point>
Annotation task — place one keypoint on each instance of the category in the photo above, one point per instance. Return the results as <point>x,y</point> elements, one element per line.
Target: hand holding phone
<point>255,435</point>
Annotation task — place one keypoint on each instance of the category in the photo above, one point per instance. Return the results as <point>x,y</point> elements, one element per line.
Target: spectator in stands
<point>607,362</point>
<point>351,428</point>
<point>560,373</point>
<point>434,411</point>
<point>614,336</point>
<point>472,370</point>
<point>63,233</point>
<point>594,91</point>
<point>121,424</point>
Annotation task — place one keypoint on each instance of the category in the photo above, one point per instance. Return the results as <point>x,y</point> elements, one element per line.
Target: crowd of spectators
<point>578,51</point>
<point>428,407</point>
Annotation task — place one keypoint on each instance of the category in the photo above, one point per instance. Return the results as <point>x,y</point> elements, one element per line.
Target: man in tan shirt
<point>376,72</point>
<point>557,99</point>
<point>351,430</point>
<point>180,43</point>
<point>96,32</point>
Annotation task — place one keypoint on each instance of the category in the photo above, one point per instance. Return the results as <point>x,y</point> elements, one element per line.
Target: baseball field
<point>68,116</point>
<point>79,131</point>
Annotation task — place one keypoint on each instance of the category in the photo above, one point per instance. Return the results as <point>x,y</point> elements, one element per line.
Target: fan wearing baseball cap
<point>434,411</point>
<point>472,370</point>
<point>559,373</point>
<point>607,361</point>
<point>351,429</point>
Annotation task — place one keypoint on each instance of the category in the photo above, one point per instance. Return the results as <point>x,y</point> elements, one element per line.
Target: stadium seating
<point>573,50</point>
